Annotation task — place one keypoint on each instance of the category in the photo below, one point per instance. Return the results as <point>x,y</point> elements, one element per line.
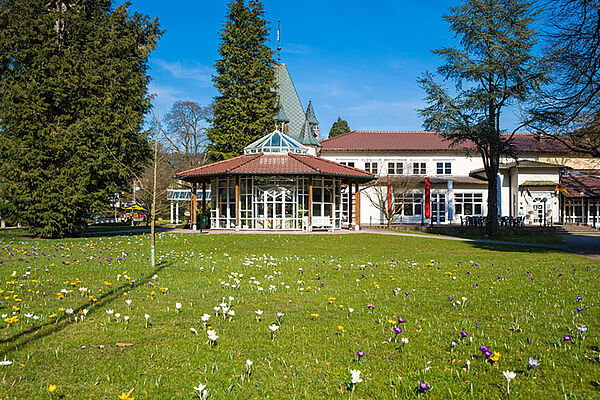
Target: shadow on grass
<point>37,332</point>
<point>124,232</point>
<point>518,247</point>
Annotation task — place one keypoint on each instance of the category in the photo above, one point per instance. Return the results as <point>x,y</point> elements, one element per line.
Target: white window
<point>410,203</point>
<point>468,203</point>
<point>444,168</point>
<point>372,167</point>
<point>348,163</point>
<point>419,168</point>
<point>395,168</point>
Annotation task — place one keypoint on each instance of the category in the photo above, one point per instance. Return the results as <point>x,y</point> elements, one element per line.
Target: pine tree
<point>245,78</point>
<point>339,127</point>
<point>72,102</point>
<point>494,68</point>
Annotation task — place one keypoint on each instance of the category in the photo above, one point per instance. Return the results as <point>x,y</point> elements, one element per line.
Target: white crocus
<point>178,306</point>
<point>509,377</point>
<point>202,392</point>
<point>273,327</point>
<point>249,363</point>
<point>404,340</point>
<point>355,376</point>
<point>205,317</point>
<point>212,335</point>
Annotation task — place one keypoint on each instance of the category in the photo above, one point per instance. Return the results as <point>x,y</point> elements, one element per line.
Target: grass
<point>519,302</point>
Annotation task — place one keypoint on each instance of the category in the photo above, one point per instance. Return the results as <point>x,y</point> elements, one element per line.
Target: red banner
<point>427,198</point>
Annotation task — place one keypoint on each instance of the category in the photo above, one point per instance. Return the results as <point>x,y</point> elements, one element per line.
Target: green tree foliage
<point>340,126</point>
<point>72,102</point>
<point>493,68</point>
<point>244,110</point>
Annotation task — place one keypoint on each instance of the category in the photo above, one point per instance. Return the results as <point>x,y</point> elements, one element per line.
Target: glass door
<point>438,208</point>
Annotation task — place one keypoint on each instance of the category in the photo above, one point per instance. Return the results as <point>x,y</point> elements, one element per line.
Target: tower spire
<point>278,42</point>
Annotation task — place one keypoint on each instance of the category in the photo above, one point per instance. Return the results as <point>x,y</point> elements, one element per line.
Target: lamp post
<point>544,200</point>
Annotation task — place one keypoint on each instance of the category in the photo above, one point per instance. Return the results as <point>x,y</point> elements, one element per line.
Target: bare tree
<point>185,134</point>
<point>570,106</point>
<point>385,192</point>
<point>165,172</point>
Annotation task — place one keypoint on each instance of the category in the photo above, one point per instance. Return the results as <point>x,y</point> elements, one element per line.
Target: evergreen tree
<point>72,102</point>
<point>494,69</point>
<point>244,110</point>
<point>340,126</point>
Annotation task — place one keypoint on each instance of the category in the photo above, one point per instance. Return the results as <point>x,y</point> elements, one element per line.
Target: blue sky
<point>355,59</point>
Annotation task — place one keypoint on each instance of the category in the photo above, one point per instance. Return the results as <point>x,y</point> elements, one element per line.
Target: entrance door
<point>275,209</point>
<point>438,208</point>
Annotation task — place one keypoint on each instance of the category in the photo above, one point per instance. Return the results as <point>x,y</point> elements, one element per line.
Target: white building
<point>530,188</point>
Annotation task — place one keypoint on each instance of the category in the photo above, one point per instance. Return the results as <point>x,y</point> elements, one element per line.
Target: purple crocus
<point>463,334</point>
<point>533,362</point>
<point>567,338</point>
<point>397,330</point>
<point>401,320</point>
<point>422,387</point>
<point>579,309</point>
<point>360,354</point>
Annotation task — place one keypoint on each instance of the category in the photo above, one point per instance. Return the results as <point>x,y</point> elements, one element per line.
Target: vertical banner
<point>450,206</point>
<point>389,198</point>
<point>499,195</point>
<point>427,198</point>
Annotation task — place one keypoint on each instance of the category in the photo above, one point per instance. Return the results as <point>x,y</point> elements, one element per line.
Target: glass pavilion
<point>276,185</point>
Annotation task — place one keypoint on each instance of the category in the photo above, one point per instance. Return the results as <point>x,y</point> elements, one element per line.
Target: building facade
<point>532,189</point>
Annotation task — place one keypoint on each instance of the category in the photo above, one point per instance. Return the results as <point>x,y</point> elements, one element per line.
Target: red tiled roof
<point>284,164</point>
<point>584,184</point>
<point>427,141</point>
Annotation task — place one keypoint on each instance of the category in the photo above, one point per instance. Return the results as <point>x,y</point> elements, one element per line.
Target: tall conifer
<point>72,102</point>
<point>245,79</point>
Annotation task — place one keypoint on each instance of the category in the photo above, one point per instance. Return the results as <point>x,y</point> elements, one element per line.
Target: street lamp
<point>544,200</point>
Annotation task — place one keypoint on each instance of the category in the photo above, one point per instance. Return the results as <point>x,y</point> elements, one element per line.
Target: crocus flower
<point>509,377</point>
<point>422,387</point>
<point>533,362</point>
<point>567,338</point>
<point>355,376</point>
<point>401,320</point>
<point>463,334</point>
<point>397,330</point>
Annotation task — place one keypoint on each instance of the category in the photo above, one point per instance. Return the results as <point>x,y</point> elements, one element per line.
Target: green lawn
<point>519,302</point>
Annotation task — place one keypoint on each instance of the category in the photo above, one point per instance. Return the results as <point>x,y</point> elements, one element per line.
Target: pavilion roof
<point>280,164</point>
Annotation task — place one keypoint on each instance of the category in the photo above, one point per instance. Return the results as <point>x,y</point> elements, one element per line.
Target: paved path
<point>586,244</point>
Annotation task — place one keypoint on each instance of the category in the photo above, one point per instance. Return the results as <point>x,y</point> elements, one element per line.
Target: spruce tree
<point>244,110</point>
<point>339,127</point>
<point>72,102</point>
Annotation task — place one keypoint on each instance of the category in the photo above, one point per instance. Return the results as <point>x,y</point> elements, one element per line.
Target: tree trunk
<point>492,203</point>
